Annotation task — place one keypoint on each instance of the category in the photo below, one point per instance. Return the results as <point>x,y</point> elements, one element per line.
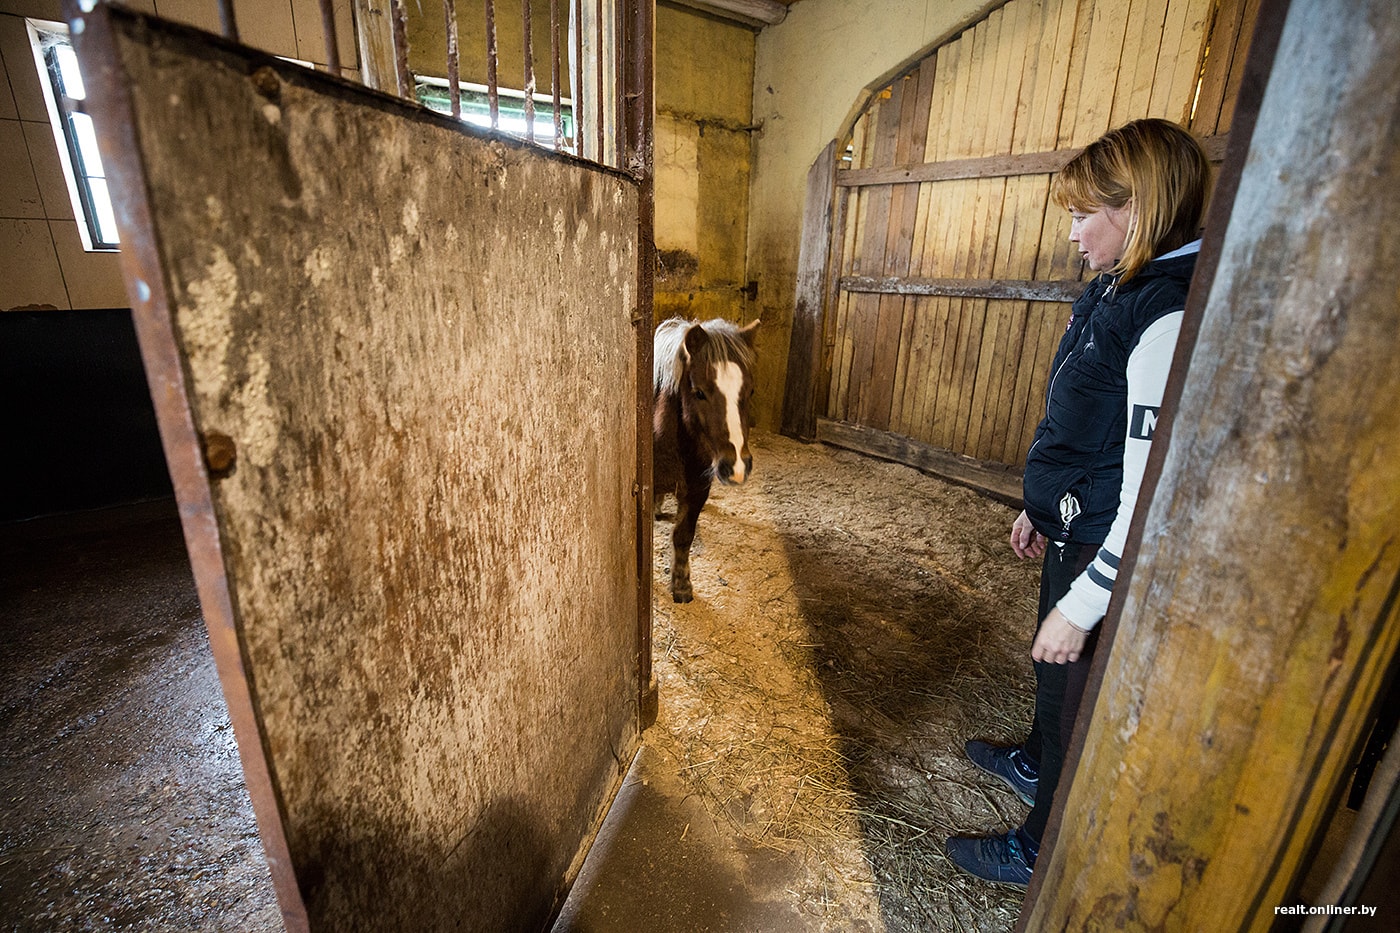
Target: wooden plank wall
<point>414,529</point>
<point>953,266</point>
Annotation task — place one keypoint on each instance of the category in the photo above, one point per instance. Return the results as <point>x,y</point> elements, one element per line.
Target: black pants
<point>1058,687</point>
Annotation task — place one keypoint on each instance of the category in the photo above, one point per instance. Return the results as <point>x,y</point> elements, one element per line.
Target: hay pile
<point>855,622</point>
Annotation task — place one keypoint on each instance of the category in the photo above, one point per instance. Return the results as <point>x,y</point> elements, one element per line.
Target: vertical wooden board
<point>928,79</point>
<point>813,259</point>
<point>1078,66</point>
<point>874,245</point>
<point>1015,258</point>
<point>1009,66</point>
<point>987,324</point>
<point>959,232</point>
<point>999,113</point>
<point>1221,41</point>
<point>841,360</point>
<point>389,530</point>
<point>1094,110</point>
<point>1182,95</point>
<point>831,300</point>
<point>1033,56</point>
<point>970,228</point>
<point>1045,328</point>
<point>1237,63</point>
<point>885,135</point>
<point>937,414</point>
<point>981,409</point>
<point>967,117</point>
<point>917,365</point>
<point>1142,39</point>
<point>857,140</point>
<point>943,115</point>
<point>910,246</point>
<point>1052,77</point>
<point>1023,400</point>
<point>970,311</point>
<point>864,317</point>
<point>1178,61</point>
<point>930,323</point>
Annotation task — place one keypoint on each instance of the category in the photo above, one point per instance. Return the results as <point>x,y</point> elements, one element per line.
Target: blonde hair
<point>1154,164</point>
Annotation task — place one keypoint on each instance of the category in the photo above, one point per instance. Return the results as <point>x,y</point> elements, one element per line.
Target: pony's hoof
<point>683,596</point>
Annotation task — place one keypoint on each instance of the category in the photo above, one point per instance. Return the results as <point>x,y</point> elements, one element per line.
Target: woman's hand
<point>1025,540</point>
<point>1058,641</point>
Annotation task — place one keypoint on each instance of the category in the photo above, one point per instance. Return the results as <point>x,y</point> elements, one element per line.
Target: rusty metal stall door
<point>394,364</point>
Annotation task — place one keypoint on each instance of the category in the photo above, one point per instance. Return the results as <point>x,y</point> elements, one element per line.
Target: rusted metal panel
<point>417,556</point>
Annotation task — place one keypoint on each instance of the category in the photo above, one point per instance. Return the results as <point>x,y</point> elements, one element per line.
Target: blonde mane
<point>726,345</point>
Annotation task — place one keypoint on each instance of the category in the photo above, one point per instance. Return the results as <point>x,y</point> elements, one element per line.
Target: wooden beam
<point>997,480</point>
<point>1001,289</point>
<point>375,38</point>
<point>756,13</point>
<point>1262,614</point>
<point>804,349</point>
<point>998,166</point>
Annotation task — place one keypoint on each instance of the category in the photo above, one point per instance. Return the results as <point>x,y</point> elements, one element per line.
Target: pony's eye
<point>700,395</point>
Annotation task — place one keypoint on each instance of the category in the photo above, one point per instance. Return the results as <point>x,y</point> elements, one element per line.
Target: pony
<point>702,379</point>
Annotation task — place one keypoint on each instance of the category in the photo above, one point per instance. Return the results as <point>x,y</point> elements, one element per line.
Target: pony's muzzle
<point>733,472</point>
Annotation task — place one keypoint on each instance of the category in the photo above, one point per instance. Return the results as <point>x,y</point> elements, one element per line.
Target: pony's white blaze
<point>729,379</point>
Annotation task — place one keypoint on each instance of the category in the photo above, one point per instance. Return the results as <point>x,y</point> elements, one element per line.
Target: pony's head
<point>709,365</point>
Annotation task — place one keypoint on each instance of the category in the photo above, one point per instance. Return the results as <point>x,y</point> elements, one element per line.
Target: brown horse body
<point>702,378</point>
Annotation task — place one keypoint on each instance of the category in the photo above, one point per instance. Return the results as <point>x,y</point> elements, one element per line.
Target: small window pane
<point>102,207</point>
<point>68,70</point>
<point>87,145</point>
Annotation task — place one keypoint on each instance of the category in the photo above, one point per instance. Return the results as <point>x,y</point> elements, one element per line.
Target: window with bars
<point>510,109</point>
<point>66,96</point>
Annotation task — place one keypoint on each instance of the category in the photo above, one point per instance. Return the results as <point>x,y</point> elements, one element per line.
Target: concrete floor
<point>661,864</point>
<point>124,801</point>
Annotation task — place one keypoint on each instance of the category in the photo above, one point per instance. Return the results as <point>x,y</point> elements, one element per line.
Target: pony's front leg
<point>688,506</point>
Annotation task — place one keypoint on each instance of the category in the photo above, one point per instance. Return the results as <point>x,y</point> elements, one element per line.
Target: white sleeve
<point>1087,600</point>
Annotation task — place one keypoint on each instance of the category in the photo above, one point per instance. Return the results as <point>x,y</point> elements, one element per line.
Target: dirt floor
<point>124,805</point>
<point>855,622</point>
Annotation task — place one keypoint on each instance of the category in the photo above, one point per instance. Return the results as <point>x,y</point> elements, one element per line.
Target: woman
<point>1136,198</point>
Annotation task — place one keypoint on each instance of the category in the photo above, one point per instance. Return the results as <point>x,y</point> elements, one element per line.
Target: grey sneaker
<point>1009,765</point>
<point>993,858</point>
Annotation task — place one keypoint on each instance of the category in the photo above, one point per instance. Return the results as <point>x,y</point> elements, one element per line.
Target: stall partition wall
<point>394,364</point>
<point>936,272</point>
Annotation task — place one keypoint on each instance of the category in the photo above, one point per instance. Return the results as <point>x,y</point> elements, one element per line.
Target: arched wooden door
<point>935,272</point>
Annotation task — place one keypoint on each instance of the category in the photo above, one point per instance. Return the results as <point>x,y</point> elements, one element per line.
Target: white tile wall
<point>8,110</point>
<point>48,171</point>
<point>32,276</point>
<point>51,10</point>
<point>267,25</point>
<point>19,191</point>
<point>99,283</point>
<point>203,14</point>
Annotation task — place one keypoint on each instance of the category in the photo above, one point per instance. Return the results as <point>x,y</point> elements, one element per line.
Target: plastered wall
<point>809,74</point>
<point>45,266</point>
<point>704,84</point>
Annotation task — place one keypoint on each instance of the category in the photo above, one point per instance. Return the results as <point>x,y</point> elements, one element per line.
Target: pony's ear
<point>750,330</point>
<point>695,338</point>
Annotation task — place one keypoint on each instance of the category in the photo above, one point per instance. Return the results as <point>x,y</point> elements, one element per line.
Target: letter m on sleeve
<point>1143,422</point>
